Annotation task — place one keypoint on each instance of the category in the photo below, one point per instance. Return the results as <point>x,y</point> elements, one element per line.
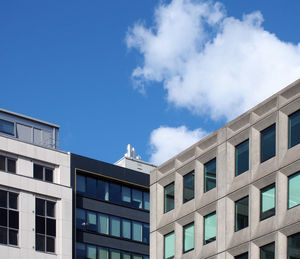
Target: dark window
<point>80,219</point>
<point>103,190</point>
<point>7,164</point>
<point>267,202</point>
<point>242,157</point>
<point>137,199</point>
<point>146,200</point>
<point>294,129</point>
<point>7,127</point>
<point>169,197</point>
<point>126,195</point>
<point>210,169</point>
<point>241,213</point>
<point>45,229</point>
<point>91,186</point>
<point>268,143</point>
<point>115,192</point>
<point>294,190</point>
<point>42,173</point>
<point>267,251</point>
<point>146,233</point>
<point>9,218</point>
<point>294,246</point>
<point>210,228</point>
<point>188,187</point>
<point>242,256</point>
<point>80,184</point>
<point>80,251</point>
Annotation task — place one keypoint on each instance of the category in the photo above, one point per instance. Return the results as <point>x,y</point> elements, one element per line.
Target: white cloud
<point>166,142</point>
<point>210,63</point>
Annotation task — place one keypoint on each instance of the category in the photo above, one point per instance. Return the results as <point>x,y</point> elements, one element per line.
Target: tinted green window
<point>188,187</point>
<point>268,143</point>
<point>241,213</point>
<point>242,157</point>
<point>103,224</point>
<point>188,237</point>
<point>91,252</point>
<point>210,228</point>
<point>267,251</point>
<point>102,253</point>
<point>294,129</point>
<point>267,197</point>
<point>294,190</point>
<point>126,195</point>
<point>294,246</point>
<point>169,245</point>
<point>210,169</point>
<point>137,231</point>
<point>169,197</point>
<point>91,221</point>
<point>146,200</point>
<point>115,226</point>
<point>242,256</point>
<point>114,254</point>
<point>126,256</point>
<point>126,228</point>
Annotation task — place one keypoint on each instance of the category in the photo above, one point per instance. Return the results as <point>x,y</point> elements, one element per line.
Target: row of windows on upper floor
<point>113,192</point>
<point>111,225</point>
<point>45,222</point>
<point>268,150</point>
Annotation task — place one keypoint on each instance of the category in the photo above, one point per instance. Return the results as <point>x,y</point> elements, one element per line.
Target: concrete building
<point>235,193</point>
<point>35,190</point>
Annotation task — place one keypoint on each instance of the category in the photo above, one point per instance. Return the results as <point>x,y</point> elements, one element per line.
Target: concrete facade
<point>230,188</point>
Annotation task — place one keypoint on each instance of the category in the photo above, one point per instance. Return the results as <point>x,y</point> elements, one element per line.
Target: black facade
<point>110,210</point>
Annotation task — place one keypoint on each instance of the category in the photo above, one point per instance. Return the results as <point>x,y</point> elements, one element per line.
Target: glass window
<point>242,157</point>
<point>137,257</point>
<point>294,190</point>
<point>242,256</point>
<point>102,253</point>
<point>2,163</point>
<point>267,251</point>
<point>91,185</point>
<point>103,190</point>
<point>294,129</point>
<point>11,165</point>
<point>169,197</point>
<point>267,198</point>
<point>188,237</point>
<point>80,184</point>
<point>210,169</point>
<point>137,231</point>
<point>169,245</point>
<point>294,246</point>
<point>210,228</point>
<point>91,252</point>
<point>114,254</point>
<point>126,228</point>
<point>80,219</point>
<point>80,251</point>
<point>126,256</point>
<point>114,192</point>
<point>268,143</point>
<point>188,187</point>
<point>91,221</point>
<point>126,195</point>
<point>7,127</point>
<point>38,172</point>
<point>103,224</point>
<point>137,199</point>
<point>42,173</point>
<point>146,201</point>
<point>115,226</point>
<point>146,233</point>
<point>241,213</point>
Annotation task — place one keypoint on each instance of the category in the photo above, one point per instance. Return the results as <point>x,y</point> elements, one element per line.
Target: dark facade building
<point>110,210</point>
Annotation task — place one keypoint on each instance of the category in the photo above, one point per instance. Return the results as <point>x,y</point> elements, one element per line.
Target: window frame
<point>183,193</point>
<point>45,167</point>
<point>170,184</point>
<point>289,129</point>
<point>10,121</point>
<point>235,213</point>
<point>164,251</point>
<point>269,244</point>
<point>287,245</point>
<point>288,190</point>
<point>206,242</point>
<point>267,188</point>
<point>235,157</point>
<point>6,158</point>
<point>204,169</point>
<point>261,144</point>
<point>183,232</point>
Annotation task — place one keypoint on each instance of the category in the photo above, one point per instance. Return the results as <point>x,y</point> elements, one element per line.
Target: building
<point>111,210</point>
<point>35,190</point>
<point>236,193</point>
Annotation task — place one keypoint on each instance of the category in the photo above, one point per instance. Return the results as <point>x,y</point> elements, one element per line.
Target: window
<point>137,199</point>
<point>146,233</point>
<point>80,251</point>
<point>115,254</point>
<point>242,157</point>
<point>294,246</point>
<point>241,213</point>
<point>137,231</point>
<point>126,195</point>
<point>91,220</point>
<point>210,169</point>
<point>188,237</point>
<point>169,197</point>
<point>210,228</point>
<point>103,253</point>
<point>169,245</point>
<point>146,200</point>
<point>115,226</point>
<point>267,251</point>
<point>267,202</point>
<point>294,129</point>
<point>103,224</point>
<point>43,173</point>
<point>103,190</point>
<point>294,190</point>
<point>242,256</point>
<point>7,127</point>
<point>80,219</point>
<point>188,187</point>
<point>115,193</point>
<point>91,186</point>
<point>45,225</point>
<point>91,252</point>
<point>7,164</point>
<point>126,228</point>
<point>9,218</point>
<point>80,184</point>
<point>267,143</point>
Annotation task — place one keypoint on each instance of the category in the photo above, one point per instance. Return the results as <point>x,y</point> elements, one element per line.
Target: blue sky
<point>72,63</point>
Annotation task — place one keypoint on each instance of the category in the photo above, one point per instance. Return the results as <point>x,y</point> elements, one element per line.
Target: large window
<point>42,173</point>
<point>169,245</point>
<point>210,169</point>
<point>188,187</point>
<point>267,205</point>
<point>7,164</point>
<point>45,225</point>
<point>210,228</point>
<point>294,190</point>
<point>241,213</point>
<point>242,256</point>
<point>294,246</point>
<point>7,127</point>
<point>267,251</point>
<point>188,237</point>
<point>294,129</point>
<point>9,218</point>
<point>242,157</point>
<point>169,197</point>
<point>268,143</point>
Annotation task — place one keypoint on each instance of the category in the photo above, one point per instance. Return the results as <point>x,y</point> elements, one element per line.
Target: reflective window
<point>114,254</point>
<point>146,200</point>
<point>126,228</point>
<point>103,190</point>
<point>188,237</point>
<point>188,187</point>
<point>91,252</point>
<point>169,245</point>
<point>80,218</point>
<point>137,231</point>
<point>80,184</point>
<point>7,127</point>
<point>80,251</point>
<point>210,169</point>
<point>146,233</point>
<point>103,253</point>
<point>267,198</point>
<point>42,173</point>
<point>242,157</point>
<point>267,143</point>
<point>267,251</point>
<point>137,199</point>
<point>115,226</point>
<point>210,228</point>
<point>169,197</point>
<point>242,256</point>
<point>241,213</point>
<point>294,190</point>
<point>294,246</point>
<point>91,221</point>
<point>7,164</point>
<point>91,186</point>
<point>103,224</point>
<point>115,192</point>
<point>294,129</point>
<point>126,194</point>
